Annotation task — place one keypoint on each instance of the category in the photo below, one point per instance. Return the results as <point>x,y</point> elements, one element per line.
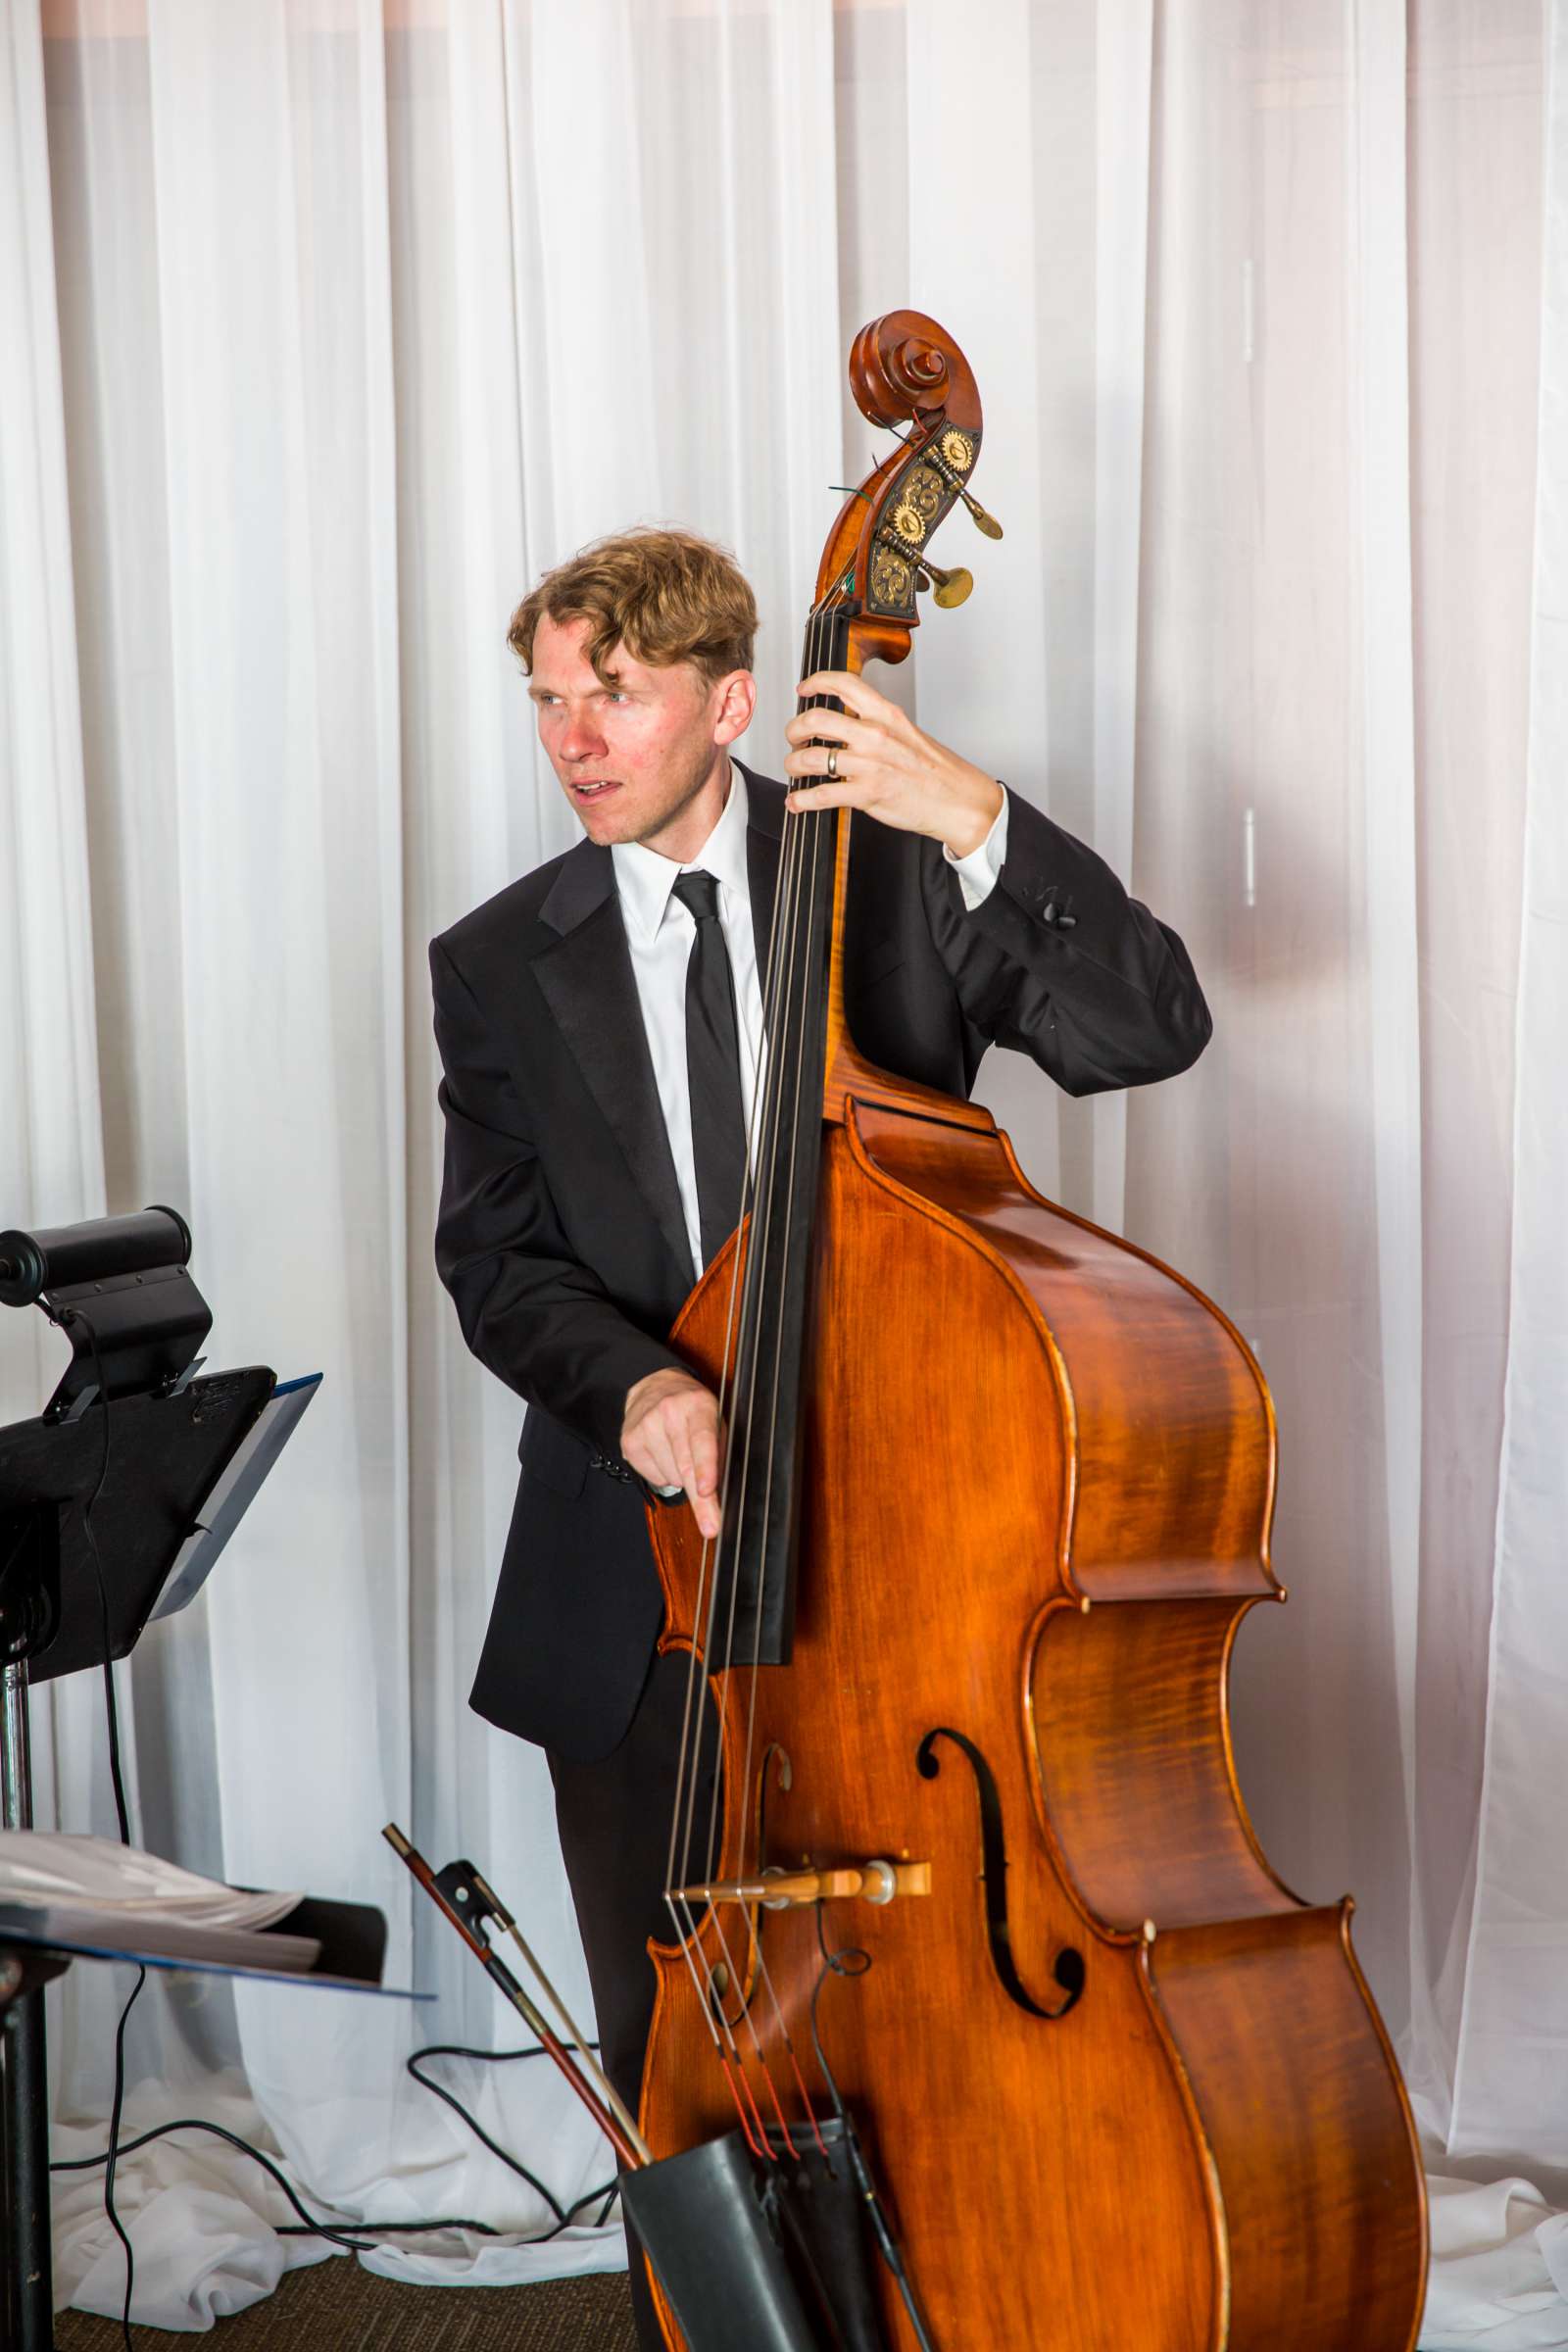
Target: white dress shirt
<point>659,932</point>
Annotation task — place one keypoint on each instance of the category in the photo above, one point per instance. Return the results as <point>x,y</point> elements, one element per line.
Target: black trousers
<point>613,1818</point>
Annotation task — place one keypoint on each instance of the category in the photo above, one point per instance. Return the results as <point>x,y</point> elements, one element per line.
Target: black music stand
<point>353,1944</point>
<point>184,1456</point>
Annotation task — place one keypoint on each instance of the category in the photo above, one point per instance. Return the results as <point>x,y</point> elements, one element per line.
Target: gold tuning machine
<point>951,587</point>
<point>932,454</point>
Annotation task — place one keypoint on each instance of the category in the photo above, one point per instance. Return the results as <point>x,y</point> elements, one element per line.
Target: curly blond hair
<point>665,595</point>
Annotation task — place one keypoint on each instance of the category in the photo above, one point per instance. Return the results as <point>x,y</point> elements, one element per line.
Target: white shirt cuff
<point>977,872</point>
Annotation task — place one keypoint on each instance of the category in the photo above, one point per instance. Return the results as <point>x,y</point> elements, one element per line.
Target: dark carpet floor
<point>336,2307</point>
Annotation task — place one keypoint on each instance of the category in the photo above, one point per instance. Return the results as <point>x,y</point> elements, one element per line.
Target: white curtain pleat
<point>165,1701</point>
<point>1476,223</point>
<point>1259,788</point>
<point>973,170</point>
<point>51,1150</point>
<point>48,1044</point>
<point>1383,695</point>
<point>285,777</point>
<point>477,489</point>
<point>1510,2093</point>
<point>1123,125</point>
<point>325,326</point>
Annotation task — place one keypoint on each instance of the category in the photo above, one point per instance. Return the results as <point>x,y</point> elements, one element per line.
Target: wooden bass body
<point>1039,1473</point>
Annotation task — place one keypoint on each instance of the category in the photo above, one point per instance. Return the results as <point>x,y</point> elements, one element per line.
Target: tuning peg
<point>982,521</point>
<point>951,587</point>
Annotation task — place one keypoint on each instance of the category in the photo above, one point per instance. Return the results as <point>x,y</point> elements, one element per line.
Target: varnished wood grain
<point>1188,2160</point>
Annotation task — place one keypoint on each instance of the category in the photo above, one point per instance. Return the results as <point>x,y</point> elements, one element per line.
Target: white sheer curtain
<point>1511,2089</point>
<point>323,326</point>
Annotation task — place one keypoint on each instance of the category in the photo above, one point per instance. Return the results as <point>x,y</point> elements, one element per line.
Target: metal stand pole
<point>26,2306</point>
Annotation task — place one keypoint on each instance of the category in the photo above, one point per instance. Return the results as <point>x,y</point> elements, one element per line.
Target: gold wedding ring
<point>833,762</point>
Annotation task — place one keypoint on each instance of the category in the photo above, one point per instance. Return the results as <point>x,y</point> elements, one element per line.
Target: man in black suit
<point>573,1220</point>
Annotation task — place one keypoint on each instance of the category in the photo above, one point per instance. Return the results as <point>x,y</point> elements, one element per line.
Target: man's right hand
<point>671,1434</point>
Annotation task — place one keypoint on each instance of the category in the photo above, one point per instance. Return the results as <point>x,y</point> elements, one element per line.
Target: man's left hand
<point>887,766</point>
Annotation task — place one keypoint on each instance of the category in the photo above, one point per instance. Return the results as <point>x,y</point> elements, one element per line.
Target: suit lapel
<point>765,841</point>
<point>586,980</point>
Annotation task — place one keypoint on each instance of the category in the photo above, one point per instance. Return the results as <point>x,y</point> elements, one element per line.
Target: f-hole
<point>1068,1966</point>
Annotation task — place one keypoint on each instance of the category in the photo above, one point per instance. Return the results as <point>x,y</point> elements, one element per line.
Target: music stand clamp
<point>188,1454</point>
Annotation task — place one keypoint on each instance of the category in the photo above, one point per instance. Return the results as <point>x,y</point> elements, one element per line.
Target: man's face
<point>638,758</point>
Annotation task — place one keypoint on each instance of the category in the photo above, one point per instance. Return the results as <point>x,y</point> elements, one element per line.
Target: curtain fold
<point>1385,695</point>
<point>1123,154</point>
<point>325,326</point>
<point>1510,2094</point>
<point>1477,250</point>
<point>46,1010</point>
<point>974,173</point>
<point>49,1077</point>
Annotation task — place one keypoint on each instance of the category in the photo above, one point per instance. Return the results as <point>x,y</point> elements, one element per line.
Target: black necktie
<point>713,1067</point>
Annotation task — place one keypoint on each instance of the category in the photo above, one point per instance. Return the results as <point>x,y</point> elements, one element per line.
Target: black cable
<point>564,2214</point>
<point>111,2155</point>
<point>612,2192</point>
<point>307,2226</point>
<point>483,2229</point>
<point>449,2049</point>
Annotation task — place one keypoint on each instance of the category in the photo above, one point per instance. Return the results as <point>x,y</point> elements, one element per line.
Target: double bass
<point>975,1881</point>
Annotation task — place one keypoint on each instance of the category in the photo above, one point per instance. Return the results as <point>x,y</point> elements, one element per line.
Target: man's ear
<point>734,707</point>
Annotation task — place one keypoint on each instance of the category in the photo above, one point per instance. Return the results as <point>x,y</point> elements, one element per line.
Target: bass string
<point>709,1993</point>
<point>776,1384</point>
<point>783,887</point>
<point>782,961</point>
<point>783,1068</point>
<point>756,1960</point>
<point>786,894</point>
<point>784,1058</point>
<point>766,1099</point>
<point>802,967</point>
<point>761,1093</point>
<point>786,899</point>
<point>788,1066</point>
<point>819,824</point>
<point>797,969</point>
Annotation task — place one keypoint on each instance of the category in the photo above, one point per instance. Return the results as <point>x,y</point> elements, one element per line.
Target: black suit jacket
<point>561,1235</point>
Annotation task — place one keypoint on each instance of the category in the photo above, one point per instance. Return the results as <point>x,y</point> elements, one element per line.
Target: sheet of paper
<point>49,1867</point>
